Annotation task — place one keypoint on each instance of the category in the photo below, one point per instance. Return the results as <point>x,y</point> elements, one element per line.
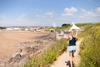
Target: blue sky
<point>48,12</point>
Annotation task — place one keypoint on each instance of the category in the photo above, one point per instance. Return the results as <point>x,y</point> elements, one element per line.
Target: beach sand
<point>10,39</point>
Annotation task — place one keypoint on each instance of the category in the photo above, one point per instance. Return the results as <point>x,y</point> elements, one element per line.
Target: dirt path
<point>64,57</point>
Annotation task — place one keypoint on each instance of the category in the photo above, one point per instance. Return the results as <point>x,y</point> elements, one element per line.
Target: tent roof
<point>74,27</point>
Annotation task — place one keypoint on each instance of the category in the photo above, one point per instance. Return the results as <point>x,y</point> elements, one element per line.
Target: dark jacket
<point>72,42</point>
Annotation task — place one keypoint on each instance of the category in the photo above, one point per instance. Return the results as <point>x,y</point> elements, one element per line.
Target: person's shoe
<point>67,62</point>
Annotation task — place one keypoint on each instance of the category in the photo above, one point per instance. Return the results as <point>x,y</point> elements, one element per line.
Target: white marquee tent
<point>75,28</point>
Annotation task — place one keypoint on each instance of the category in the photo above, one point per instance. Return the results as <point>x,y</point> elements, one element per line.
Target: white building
<point>9,28</point>
<point>16,28</point>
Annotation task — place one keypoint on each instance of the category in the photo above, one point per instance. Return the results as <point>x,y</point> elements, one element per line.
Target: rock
<point>15,59</point>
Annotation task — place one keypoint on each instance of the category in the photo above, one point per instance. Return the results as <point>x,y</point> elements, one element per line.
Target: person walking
<point>71,50</point>
<point>72,46</point>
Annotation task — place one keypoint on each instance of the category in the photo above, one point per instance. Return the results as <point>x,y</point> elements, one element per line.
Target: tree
<point>65,25</point>
<point>2,27</point>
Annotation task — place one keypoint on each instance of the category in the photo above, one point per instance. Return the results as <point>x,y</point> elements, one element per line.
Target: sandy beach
<point>10,39</point>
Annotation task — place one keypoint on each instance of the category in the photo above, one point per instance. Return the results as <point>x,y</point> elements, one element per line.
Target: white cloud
<point>98,9</point>
<point>46,18</point>
<point>46,15</point>
<point>49,14</point>
<point>87,14</point>
<point>70,11</point>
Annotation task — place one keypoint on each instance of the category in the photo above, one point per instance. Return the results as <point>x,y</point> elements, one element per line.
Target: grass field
<point>90,47</point>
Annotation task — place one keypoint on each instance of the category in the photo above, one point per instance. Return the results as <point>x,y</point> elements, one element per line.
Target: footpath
<point>60,62</point>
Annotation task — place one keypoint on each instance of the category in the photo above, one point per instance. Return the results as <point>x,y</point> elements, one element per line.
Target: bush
<point>49,56</point>
<point>90,47</point>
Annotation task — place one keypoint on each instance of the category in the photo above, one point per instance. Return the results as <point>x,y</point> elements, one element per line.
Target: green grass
<point>49,56</point>
<point>90,47</point>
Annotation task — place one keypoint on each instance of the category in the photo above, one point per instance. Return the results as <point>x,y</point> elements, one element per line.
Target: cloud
<point>71,14</point>
<point>87,14</point>
<point>70,11</point>
<point>46,15</point>
<point>49,14</point>
<point>98,9</point>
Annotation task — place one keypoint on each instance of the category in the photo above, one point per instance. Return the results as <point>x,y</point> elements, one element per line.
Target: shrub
<point>90,47</point>
<point>49,56</point>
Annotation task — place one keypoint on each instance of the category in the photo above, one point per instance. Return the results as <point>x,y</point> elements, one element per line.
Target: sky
<point>48,12</point>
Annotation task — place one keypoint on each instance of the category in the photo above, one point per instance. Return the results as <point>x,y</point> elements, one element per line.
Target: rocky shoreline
<point>26,50</point>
